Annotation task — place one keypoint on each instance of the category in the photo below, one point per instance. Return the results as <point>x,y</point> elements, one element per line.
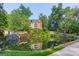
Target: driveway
<point>72,50</point>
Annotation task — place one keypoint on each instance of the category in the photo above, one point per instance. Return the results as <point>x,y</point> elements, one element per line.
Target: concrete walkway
<point>71,50</point>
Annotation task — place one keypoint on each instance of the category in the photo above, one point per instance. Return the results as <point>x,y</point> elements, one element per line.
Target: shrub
<point>60,39</point>
<point>12,39</point>
<point>33,53</point>
<point>21,47</point>
<point>56,39</point>
<point>69,38</point>
<point>56,36</point>
<point>39,36</point>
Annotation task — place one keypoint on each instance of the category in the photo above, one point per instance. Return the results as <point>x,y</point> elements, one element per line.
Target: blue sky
<point>37,8</point>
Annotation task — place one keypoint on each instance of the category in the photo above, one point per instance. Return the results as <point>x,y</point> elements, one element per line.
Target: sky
<point>37,8</point>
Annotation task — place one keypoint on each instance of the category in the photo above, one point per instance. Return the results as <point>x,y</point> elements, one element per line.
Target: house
<point>36,24</point>
<point>23,35</point>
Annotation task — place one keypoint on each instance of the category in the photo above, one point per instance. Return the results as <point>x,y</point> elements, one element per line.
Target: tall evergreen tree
<point>55,18</point>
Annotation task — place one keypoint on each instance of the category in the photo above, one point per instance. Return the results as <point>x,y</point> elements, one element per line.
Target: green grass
<point>32,53</point>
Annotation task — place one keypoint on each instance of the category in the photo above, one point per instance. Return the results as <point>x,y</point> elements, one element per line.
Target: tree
<point>3,25</point>
<point>14,21</point>
<point>55,18</point>
<point>45,36</point>
<point>75,24</point>
<point>24,11</point>
<point>74,27</point>
<point>3,17</point>
<point>69,23</point>
<point>19,19</point>
<point>25,24</point>
<point>44,20</point>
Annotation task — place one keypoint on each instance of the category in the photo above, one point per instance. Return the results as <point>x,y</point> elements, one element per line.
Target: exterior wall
<point>37,24</point>
<point>32,25</point>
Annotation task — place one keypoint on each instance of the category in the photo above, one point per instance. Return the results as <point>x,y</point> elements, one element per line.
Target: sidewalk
<point>71,50</point>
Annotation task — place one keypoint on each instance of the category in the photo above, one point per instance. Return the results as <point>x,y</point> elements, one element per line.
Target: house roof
<point>34,20</point>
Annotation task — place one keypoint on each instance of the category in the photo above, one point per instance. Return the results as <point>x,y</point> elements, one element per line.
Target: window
<point>53,23</point>
<point>35,25</point>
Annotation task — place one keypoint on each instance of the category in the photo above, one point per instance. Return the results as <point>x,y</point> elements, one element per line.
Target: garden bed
<point>32,53</point>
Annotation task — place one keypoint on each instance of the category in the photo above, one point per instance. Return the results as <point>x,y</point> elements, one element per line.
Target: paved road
<point>72,50</point>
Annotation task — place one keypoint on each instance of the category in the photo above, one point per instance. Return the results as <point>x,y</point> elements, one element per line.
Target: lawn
<point>32,53</point>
